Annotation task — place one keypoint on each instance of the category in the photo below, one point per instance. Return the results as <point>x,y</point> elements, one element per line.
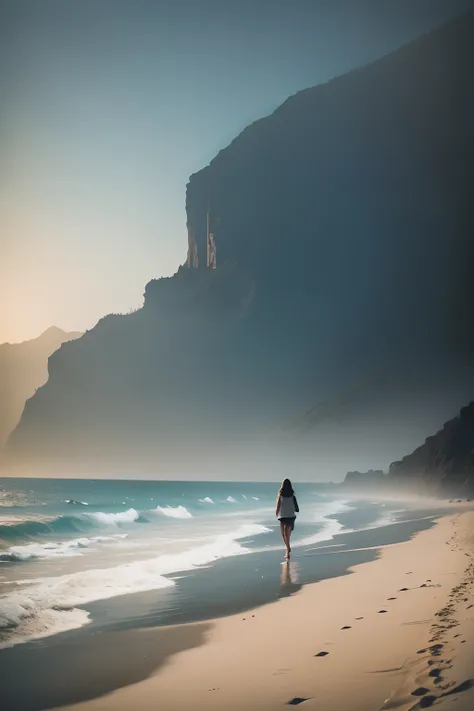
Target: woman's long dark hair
<point>286,488</point>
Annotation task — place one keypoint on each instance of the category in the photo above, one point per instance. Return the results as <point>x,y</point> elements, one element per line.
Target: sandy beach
<point>396,633</point>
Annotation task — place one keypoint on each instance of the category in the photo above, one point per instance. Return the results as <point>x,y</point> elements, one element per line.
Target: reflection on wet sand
<point>289,579</point>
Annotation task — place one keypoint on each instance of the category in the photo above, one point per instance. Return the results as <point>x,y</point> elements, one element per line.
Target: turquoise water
<point>67,544</point>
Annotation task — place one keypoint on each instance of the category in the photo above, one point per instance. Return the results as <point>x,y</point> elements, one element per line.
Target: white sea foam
<point>53,549</point>
<point>44,624</point>
<point>255,498</point>
<point>174,511</point>
<point>206,500</point>
<point>44,606</point>
<point>115,519</point>
<point>231,500</point>
<point>331,526</point>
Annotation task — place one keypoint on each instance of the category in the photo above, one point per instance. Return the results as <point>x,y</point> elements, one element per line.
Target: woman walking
<point>286,510</point>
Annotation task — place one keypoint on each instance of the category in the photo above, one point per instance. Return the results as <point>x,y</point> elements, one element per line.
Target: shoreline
<point>265,658</point>
<point>231,584</point>
<point>243,664</point>
<point>160,623</point>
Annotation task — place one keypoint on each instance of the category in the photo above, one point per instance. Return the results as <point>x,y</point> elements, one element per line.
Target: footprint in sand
<point>391,598</point>
<point>346,627</point>
<point>403,589</point>
<point>380,612</point>
<point>464,686</point>
<point>427,701</point>
<point>297,700</point>
<point>421,691</point>
<point>321,654</point>
<point>436,647</point>
<point>359,618</point>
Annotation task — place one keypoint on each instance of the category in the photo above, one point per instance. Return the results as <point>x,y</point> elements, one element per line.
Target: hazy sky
<point>107,107</point>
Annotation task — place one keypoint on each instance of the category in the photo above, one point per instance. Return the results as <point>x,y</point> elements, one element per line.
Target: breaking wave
<point>44,606</point>
<point>114,519</point>
<point>65,525</point>
<point>174,511</point>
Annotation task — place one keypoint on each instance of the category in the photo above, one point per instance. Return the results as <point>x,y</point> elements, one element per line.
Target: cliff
<point>342,238</point>
<point>23,369</point>
<point>445,462</point>
<point>352,198</point>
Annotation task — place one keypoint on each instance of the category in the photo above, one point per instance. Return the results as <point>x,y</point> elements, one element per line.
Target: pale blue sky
<point>109,105</point>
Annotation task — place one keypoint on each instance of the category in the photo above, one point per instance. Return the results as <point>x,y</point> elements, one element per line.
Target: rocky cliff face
<point>342,231</point>
<point>356,192</point>
<point>445,462</point>
<point>23,369</point>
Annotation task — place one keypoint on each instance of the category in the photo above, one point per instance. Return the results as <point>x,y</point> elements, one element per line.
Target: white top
<point>287,507</point>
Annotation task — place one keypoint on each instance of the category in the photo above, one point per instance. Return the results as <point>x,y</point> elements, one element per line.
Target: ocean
<point>75,553</point>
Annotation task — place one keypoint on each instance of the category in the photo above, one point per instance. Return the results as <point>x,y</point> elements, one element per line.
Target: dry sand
<point>401,624</point>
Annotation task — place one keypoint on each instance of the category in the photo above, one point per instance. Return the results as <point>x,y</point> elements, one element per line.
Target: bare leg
<point>288,537</point>
<point>287,540</point>
<point>283,531</point>
<point>284,535</point>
